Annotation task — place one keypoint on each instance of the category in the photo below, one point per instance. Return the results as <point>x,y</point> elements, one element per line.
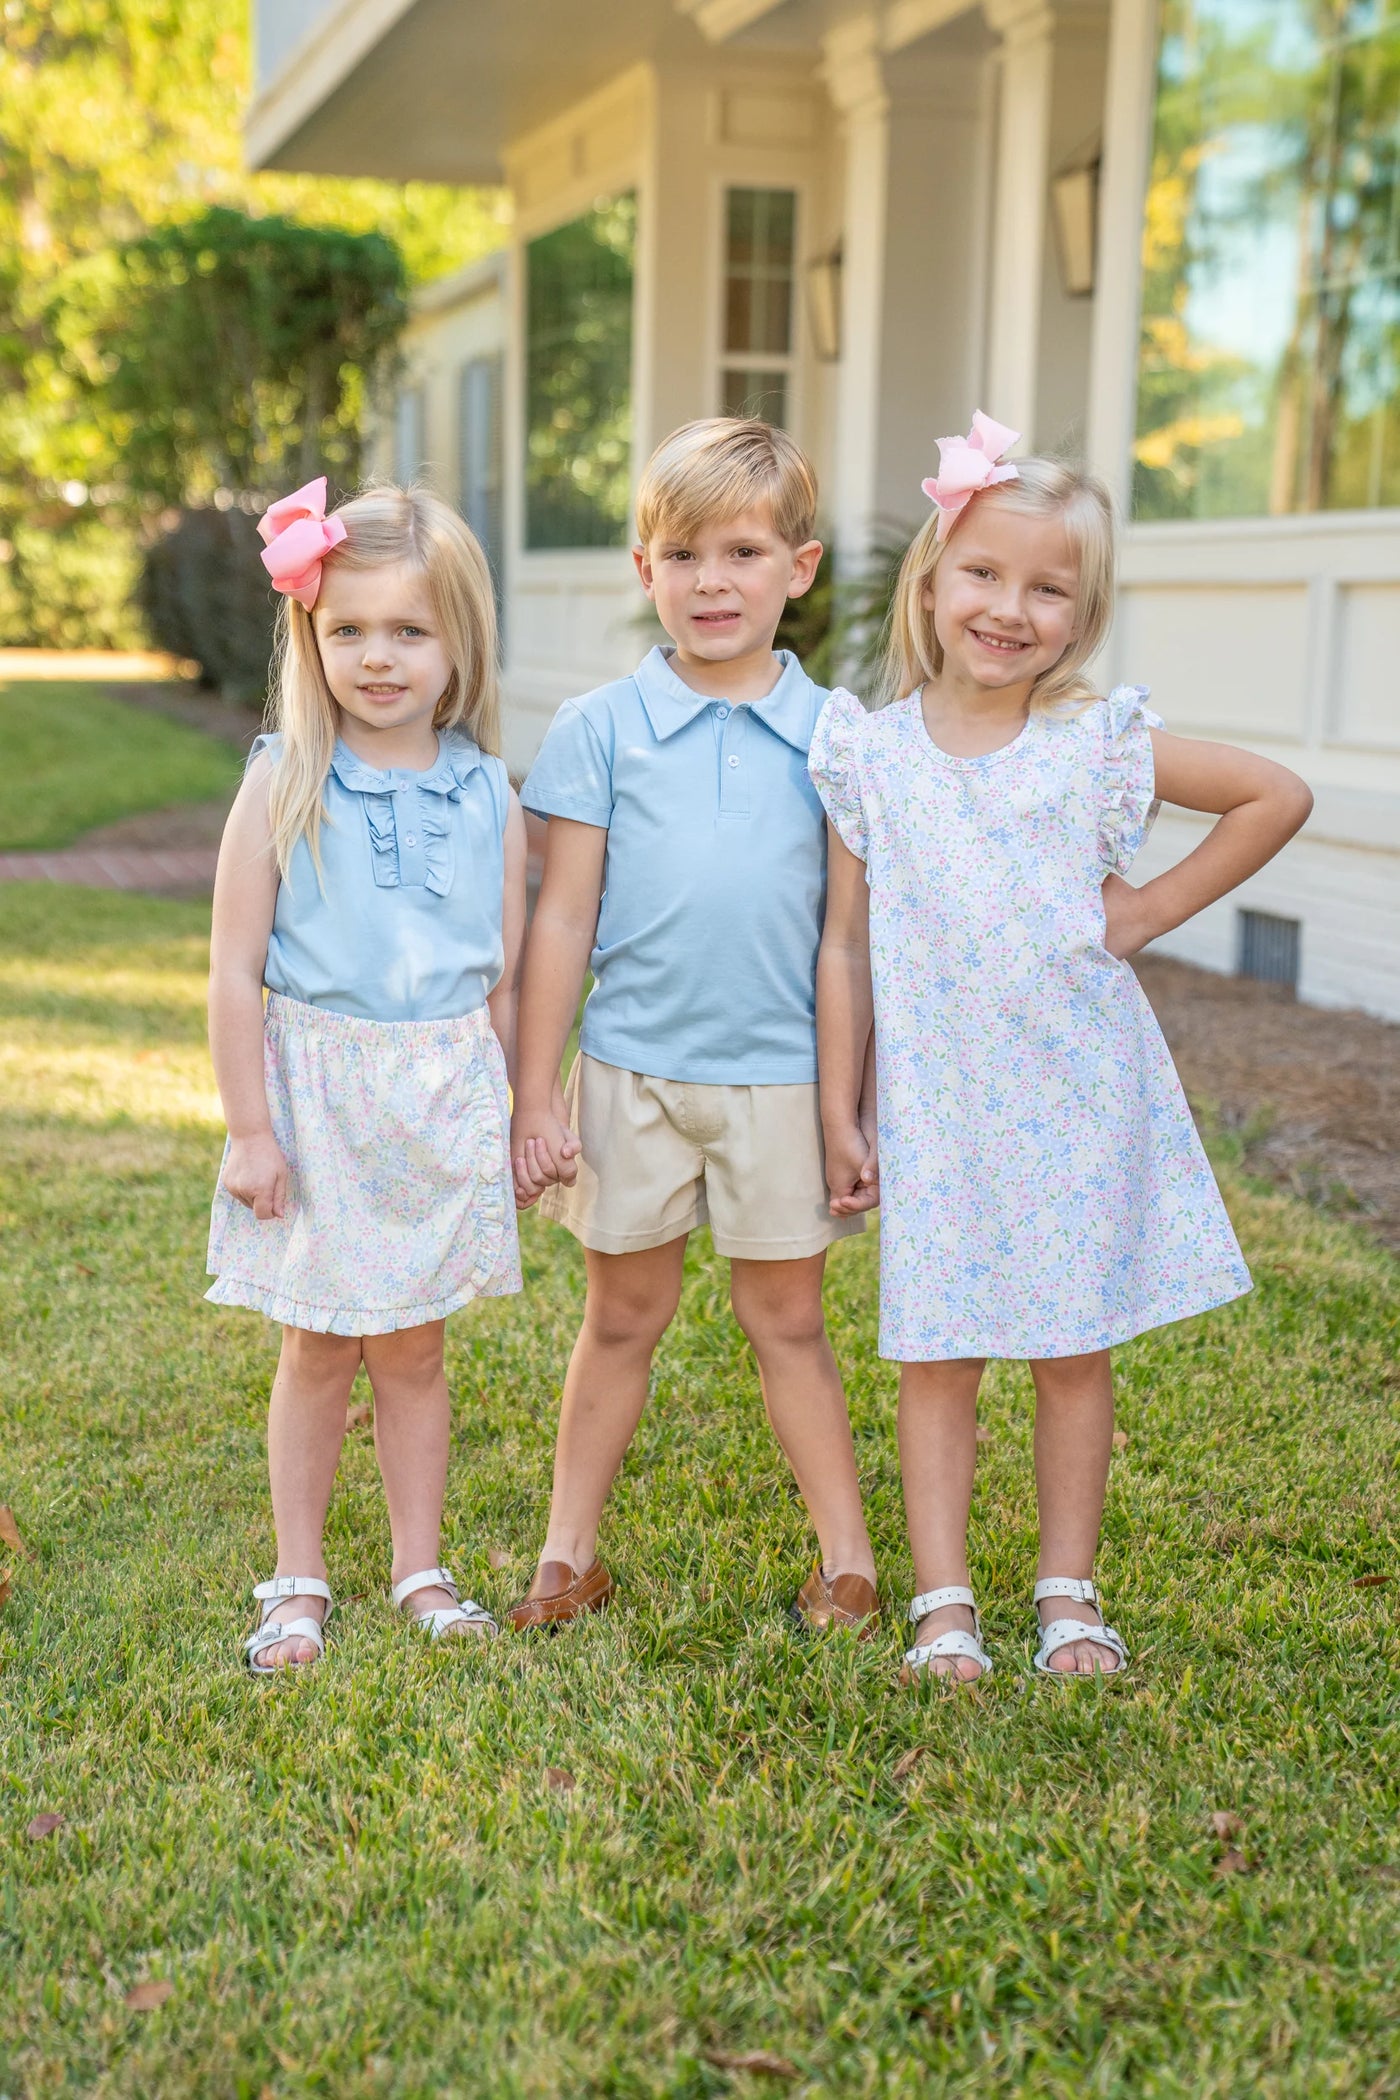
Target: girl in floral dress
<point>1044,1193</point>
<point>372,879</point>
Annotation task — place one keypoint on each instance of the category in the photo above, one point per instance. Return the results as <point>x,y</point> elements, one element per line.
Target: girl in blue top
<point>372,878</point>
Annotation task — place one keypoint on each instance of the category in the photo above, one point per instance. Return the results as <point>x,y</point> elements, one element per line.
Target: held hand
<point>543,1150</point>
<point>256,1174</point>
<point>532,1170</point>
<point>1127,922</point>
<point>852,1171</point>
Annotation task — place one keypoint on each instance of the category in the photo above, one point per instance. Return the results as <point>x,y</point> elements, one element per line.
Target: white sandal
<point>445,1617</point>
<point>270,1629</point>
<point>956,1641</point>
<point>1063,1633</point>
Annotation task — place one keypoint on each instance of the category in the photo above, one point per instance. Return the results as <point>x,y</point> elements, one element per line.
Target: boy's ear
<point>804,568</point>
<point>641,562</point>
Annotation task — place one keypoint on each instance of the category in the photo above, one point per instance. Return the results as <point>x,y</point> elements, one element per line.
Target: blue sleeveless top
<point>406,924</point>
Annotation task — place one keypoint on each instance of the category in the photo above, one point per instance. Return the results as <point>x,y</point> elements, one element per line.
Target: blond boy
<point>686,864</point>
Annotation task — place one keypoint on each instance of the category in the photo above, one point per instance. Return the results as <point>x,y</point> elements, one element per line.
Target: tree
<point>1276,164</point>
<point>578,406</point>
<point>240,353</point>
<point>229,357</point>
<point>118,117</point>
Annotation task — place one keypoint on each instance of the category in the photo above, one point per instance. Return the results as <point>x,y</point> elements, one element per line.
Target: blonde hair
<point>719,466</point>
<point>1044,488</point>
<point>385,527</point>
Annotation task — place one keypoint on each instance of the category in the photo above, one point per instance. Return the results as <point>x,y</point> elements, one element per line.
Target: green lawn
<point>71,759</point>
<point>360,1882</point>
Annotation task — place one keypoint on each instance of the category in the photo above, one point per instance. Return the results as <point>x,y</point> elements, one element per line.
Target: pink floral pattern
<point>1044,1192</point>
<point>400,1206</point>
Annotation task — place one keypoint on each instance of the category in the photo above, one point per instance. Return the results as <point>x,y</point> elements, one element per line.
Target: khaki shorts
<point>661,1156</point>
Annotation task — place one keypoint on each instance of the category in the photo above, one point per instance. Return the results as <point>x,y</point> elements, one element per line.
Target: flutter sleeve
<point>1129,804</point>
<point>834,763</point>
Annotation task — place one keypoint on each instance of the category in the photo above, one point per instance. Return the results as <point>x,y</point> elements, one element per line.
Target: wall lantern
<point>824,304</point>
<point>1074,195</point>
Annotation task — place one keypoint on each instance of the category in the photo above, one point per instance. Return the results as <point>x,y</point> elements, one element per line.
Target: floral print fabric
<point>1044,1192</point>
<point>399,1205</point>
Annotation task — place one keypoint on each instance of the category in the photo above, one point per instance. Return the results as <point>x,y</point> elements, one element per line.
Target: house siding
<point>913,138</point>
<point>1345,897</point>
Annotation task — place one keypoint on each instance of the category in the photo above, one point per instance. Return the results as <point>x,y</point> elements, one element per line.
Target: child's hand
<point>543,1150</point>
<point>1128,924</point>
<point>256,1174</point>
<point>852,1170</point>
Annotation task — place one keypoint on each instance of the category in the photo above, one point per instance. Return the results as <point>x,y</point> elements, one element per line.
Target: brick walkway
<point>185,870</point>
<point>180,870</point>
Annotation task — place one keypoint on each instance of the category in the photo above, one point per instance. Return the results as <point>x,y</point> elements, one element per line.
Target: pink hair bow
<point>299,536</point>
<point>967,464</point>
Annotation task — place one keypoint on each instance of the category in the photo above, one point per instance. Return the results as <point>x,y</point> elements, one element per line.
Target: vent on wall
<point>1269,947</point>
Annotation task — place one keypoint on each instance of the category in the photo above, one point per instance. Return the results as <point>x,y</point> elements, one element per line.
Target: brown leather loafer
<point>557,1595</point>
<point>848,1600</point>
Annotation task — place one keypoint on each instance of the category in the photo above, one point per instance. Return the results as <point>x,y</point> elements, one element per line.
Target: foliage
<point>805,627</point>
<point>68,580</point>
<point>838,629</point>
<point>206,595</point>
<point>71,759</point>
<point>239,353</point>
<point>232,356</point>
<point>1270,355</point>
<point>578,379</point>
<point>361,1882</point>
<point>118,117</point>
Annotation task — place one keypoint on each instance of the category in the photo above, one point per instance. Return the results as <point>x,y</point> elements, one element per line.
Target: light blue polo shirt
<point>715,876</point>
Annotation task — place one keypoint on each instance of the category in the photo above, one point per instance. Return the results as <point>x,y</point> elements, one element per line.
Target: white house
<point>1164,234</point>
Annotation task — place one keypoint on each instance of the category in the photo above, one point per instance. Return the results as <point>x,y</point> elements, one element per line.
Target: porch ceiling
<point>786,23</point>
<point>433,90</point>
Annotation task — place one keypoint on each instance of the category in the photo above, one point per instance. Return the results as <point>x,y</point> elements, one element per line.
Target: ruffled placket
<point>408,816</point>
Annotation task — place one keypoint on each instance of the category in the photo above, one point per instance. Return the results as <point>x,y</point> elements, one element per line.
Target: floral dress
<point>1043,1189</point>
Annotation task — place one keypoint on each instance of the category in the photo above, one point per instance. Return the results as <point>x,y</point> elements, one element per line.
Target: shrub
<point>838,629</point>
<point>238,357</point>
<point>241,353</point>
<point>67,583</point>
<point>206,595</point>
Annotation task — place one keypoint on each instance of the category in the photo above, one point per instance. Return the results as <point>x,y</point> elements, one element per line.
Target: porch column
<point>1027,30</point>
<point>854,75</point>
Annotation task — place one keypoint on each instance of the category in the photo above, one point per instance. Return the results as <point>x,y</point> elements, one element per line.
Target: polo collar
<point>458,757</point>
<point>671,704</point>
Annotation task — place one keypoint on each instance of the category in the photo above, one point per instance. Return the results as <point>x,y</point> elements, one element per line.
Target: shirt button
<point>722,713</point>
<point>733,759</point>
<point>410,838</point>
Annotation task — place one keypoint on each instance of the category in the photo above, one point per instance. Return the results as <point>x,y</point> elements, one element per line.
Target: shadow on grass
<point>364,1882</point>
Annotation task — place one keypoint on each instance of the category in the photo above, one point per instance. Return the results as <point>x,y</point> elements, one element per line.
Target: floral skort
<point>399,1200</point>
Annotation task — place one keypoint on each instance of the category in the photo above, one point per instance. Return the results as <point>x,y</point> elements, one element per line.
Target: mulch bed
<point>1312,1094</point>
